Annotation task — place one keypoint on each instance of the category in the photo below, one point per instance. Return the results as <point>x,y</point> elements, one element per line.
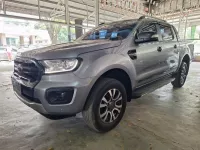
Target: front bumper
<point>81,88</point>
<point>37,107</point>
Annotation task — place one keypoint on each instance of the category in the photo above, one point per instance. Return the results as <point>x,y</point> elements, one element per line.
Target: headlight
<point>56,66</point>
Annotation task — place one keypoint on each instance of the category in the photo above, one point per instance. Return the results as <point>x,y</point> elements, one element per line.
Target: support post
<point>159,6</point>
<point>78,30</point>
<point>179,25</point>
<point>87,14</point>
<point>2,39</point>
<point>185,26</point>
<point>183,4</point>
<point>67,19</point>
<point>149,7</point>
<point>164,5</point>
<point>21,40</point>
<point>170,5</point>
<point>39,9</point>
<point>32,39</point>
<point>96,13</point>
<point>4,7</point>
<point>176,4</point>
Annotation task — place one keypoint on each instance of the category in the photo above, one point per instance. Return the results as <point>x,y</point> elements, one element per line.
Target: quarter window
<point>166,33</point>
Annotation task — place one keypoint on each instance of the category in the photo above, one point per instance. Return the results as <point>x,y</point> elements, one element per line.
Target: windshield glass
<point>116,30</point>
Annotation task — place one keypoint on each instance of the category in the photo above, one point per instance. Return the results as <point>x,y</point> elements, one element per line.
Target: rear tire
<point>181,75</point>
<point>106,105</point>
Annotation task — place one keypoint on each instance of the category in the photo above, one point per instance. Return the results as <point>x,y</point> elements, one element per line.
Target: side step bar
<point>149,88</point>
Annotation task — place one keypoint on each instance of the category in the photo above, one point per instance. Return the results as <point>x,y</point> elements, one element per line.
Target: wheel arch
<point>118,74</point>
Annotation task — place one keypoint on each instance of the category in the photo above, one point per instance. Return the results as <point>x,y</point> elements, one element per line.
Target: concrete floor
<point>166,119</point>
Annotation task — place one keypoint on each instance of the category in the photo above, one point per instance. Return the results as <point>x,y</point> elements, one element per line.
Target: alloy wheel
<point>183,73</point>
<point>110,106</point>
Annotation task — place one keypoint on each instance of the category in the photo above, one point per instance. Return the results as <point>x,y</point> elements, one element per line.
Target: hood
<point>69,50</point>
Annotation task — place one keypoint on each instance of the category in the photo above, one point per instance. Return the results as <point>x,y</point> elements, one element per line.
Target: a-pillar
<point>78,29</point>
<point>32,40</point>
<point>21,40</point>
<point>2,39</point>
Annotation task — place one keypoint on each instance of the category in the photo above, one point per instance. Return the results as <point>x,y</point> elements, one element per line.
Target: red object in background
<point>146,9</point>
<point>9,54</point>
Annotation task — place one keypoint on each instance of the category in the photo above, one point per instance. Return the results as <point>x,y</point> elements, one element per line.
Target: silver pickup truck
<point>101,71</point>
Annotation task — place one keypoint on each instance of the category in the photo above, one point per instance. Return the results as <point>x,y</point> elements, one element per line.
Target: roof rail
<point>150,17</point>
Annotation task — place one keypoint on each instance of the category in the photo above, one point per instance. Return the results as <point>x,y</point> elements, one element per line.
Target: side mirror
<point>145,37</point>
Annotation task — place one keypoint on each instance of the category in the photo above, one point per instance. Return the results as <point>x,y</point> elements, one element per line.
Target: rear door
<point>170,48</point>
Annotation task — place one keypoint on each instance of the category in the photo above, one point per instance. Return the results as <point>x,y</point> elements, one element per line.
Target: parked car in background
<point>196,50</point>
<point>8,53</point>
<point>194,45</point>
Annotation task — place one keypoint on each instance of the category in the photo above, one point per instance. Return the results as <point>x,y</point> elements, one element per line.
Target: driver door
<point>148,67</point>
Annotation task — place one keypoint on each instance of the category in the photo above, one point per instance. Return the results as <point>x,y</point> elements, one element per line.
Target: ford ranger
<point>101,71</point>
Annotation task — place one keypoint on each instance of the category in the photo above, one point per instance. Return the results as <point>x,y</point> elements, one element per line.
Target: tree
<point>52,28</point>
<point>57,32</point>
<point>63,35</point>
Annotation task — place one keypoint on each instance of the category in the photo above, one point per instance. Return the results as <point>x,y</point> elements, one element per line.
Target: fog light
<point>59,95</point>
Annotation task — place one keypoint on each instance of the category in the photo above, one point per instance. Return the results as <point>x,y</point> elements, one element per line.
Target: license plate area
<point>16,86</point>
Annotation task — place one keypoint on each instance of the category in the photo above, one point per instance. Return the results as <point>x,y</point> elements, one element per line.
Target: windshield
<point>116,30</point>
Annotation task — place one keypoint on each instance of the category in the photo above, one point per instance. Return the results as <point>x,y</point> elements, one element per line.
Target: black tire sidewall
<point>177,82</point>
<point>179,79</point>
<point>100,92</point>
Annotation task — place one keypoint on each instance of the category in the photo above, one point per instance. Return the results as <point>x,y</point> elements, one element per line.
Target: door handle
<point>176,51</point>
<point>159,49</point>
<point>132,54</point>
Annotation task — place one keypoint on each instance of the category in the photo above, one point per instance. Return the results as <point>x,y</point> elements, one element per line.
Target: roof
<point>78,9</point>
<point>85,10</point>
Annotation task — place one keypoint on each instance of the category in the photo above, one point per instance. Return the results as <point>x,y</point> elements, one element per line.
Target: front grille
<point>27,70</point>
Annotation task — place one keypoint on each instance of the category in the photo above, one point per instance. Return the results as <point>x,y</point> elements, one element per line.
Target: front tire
<point>106,105</point>
<point>181,75</point>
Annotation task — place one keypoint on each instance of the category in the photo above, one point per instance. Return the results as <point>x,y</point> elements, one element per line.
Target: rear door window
<point>147,32</point>
<point>150,30</point>
<point>166,33</point>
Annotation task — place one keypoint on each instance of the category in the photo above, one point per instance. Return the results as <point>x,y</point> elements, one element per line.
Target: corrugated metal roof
<point>77,8</point>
